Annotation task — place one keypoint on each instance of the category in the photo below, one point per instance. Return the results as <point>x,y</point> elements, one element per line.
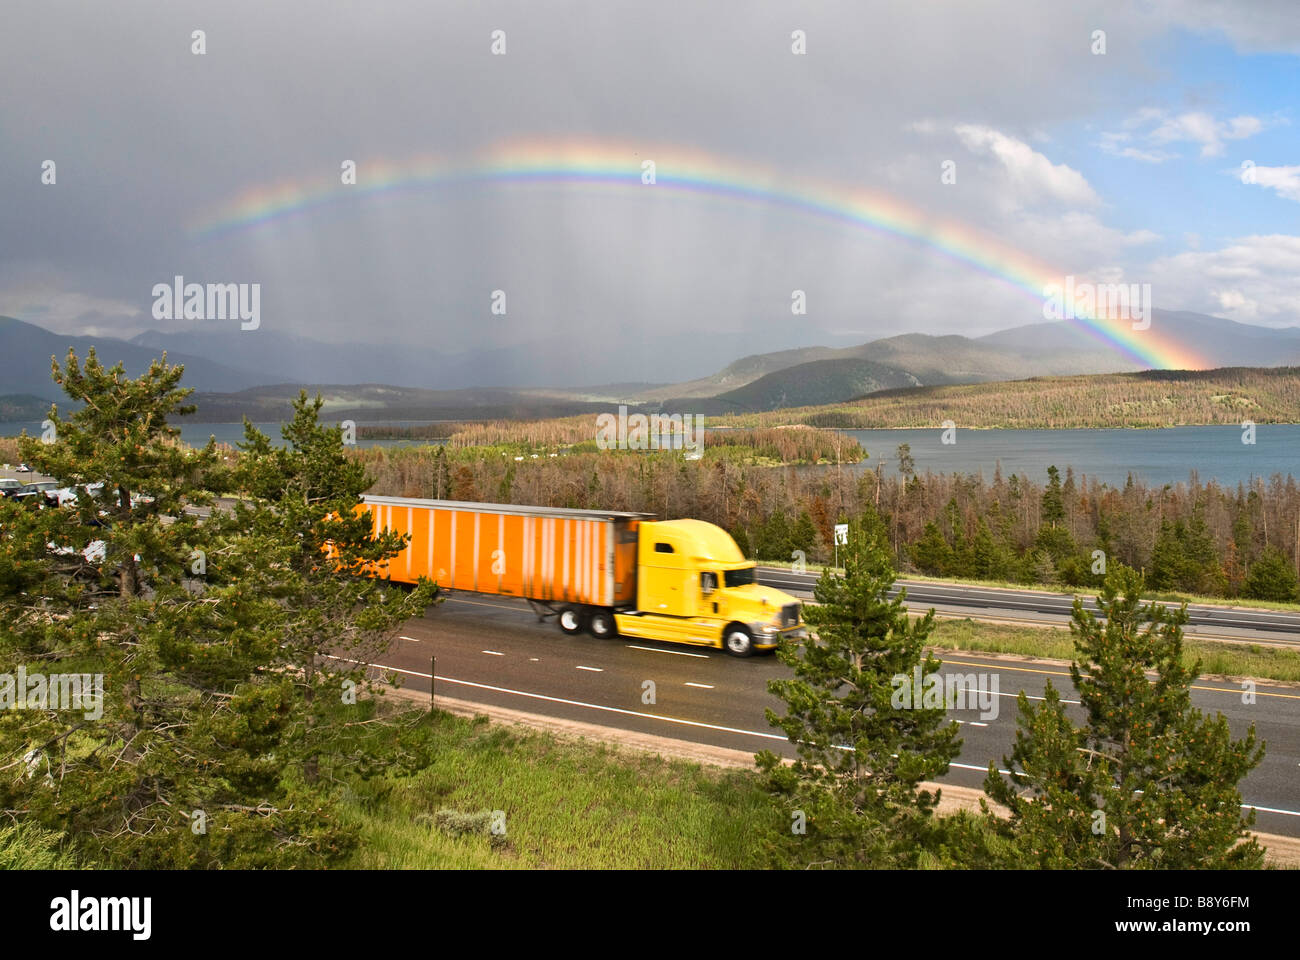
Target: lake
<point>1157,456</point>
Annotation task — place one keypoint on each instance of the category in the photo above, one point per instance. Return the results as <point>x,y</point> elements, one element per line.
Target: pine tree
<point>804,535</point>
<point>131,587</point>
<point>332,618</point>
<point>1271,577</point>
<point>1168,563</point>
<point>860,757</point>
<point>932,554</point>
<point>1053,507</point>
<point>1150,781</point>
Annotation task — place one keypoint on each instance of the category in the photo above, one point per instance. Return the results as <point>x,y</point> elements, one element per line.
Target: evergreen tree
<point>906,462</point>
<point>931,553</point>
<point>803,536</point>
<point>332,617</point>
<point>986,555</point>
<point>442,474</point>
<point>1053,508</point>
<point>1168,562</point>
<point>203,625</point>
<point>860,757</point>
<point>1150,781</point>
<point>180,762</point>
<point>1271,577</point>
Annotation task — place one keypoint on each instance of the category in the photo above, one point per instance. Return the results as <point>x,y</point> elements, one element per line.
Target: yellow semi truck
<point>607,573</point>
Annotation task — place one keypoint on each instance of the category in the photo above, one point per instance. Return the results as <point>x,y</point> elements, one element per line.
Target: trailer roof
<point>509,509</point>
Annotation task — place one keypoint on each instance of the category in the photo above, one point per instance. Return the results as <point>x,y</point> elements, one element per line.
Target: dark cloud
<point>148,136</point>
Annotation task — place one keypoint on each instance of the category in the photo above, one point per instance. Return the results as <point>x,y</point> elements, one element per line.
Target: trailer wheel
<point>572,620</point>
<point>738,642</point>
<point>602,625</point>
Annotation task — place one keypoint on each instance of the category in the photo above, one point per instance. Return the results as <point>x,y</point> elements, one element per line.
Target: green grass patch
<point>1052,643</point>
<point>567,805</point>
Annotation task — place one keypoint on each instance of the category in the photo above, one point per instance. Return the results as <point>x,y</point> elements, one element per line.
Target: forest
<point>1191,537</point>
<point>1150,398</point>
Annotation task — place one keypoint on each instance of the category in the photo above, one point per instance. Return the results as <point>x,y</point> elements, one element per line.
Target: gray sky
<point>1122,165</point>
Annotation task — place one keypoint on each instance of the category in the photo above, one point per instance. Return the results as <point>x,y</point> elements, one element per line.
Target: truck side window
<point>663,548</point>
<point>708,582</point>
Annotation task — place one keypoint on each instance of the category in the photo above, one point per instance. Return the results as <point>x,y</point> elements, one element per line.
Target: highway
<point>1265,627</point>
<point>493,651</point>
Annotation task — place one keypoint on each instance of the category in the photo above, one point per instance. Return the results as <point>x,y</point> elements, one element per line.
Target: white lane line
<point>1244,806</point>
<point>573,703</point>
<point>412,639</point>
<point>678,653</point>
<point>492,653</point>
<point>1287,813</point>
<point>688,723</point>
<point>702,686</point>
<point>592,669</point>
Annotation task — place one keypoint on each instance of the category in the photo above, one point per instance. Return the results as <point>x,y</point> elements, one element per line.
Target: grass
<point>567,805</point>
<point>1164,597</point>
<point>1052,643</point>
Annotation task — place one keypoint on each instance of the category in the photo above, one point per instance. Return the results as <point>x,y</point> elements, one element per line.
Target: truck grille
<point>790,615</point>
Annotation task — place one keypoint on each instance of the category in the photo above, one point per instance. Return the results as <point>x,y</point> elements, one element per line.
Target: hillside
<point>1149,398</point>
<point>1033,350</point>
<point>25,351</point>
<point>818,382</point>
<point>375,402</point>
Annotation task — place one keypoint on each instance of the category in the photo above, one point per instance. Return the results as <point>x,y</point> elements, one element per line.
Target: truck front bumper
<point>766,636</point>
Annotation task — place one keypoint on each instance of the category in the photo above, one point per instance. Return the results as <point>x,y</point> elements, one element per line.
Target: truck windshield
<point>738,578</point>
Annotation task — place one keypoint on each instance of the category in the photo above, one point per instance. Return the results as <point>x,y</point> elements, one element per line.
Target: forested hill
<point>1151,398</point>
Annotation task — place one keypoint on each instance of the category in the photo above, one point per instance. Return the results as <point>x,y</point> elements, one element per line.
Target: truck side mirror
<point>708,582</point>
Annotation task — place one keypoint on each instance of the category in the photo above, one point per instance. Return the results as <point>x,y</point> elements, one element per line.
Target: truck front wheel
<point>738,641</point>
<point>603,626</point>
<point>572,620</point>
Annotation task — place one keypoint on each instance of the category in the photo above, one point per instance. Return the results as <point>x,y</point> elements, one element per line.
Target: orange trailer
<point>549,555</point>
<point>600,571</point>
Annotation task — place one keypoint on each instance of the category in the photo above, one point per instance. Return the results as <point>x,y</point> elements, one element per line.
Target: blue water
<point>1156,456</point>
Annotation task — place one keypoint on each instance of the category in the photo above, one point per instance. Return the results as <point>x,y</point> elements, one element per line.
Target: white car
<point>94,553</point>
<point>68,495</point>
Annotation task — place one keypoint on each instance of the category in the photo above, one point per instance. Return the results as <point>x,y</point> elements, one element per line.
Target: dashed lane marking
<point>678,653</point>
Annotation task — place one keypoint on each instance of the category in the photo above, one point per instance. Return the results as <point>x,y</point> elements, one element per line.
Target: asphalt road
<point>1039,607</point>
<point>493,651</point>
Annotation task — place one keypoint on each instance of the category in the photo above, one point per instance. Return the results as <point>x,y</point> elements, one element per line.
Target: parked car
<point>69,495</point>
<point>10,487</point>
<point>23,468</point>
<point>44,490</point>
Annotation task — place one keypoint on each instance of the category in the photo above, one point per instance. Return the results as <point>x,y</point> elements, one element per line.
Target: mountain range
<point>235,373</point>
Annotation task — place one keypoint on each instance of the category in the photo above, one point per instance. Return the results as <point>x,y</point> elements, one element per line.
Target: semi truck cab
<point>695,586</point>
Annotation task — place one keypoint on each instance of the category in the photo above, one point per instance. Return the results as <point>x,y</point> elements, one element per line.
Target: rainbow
<point>684,171</point>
